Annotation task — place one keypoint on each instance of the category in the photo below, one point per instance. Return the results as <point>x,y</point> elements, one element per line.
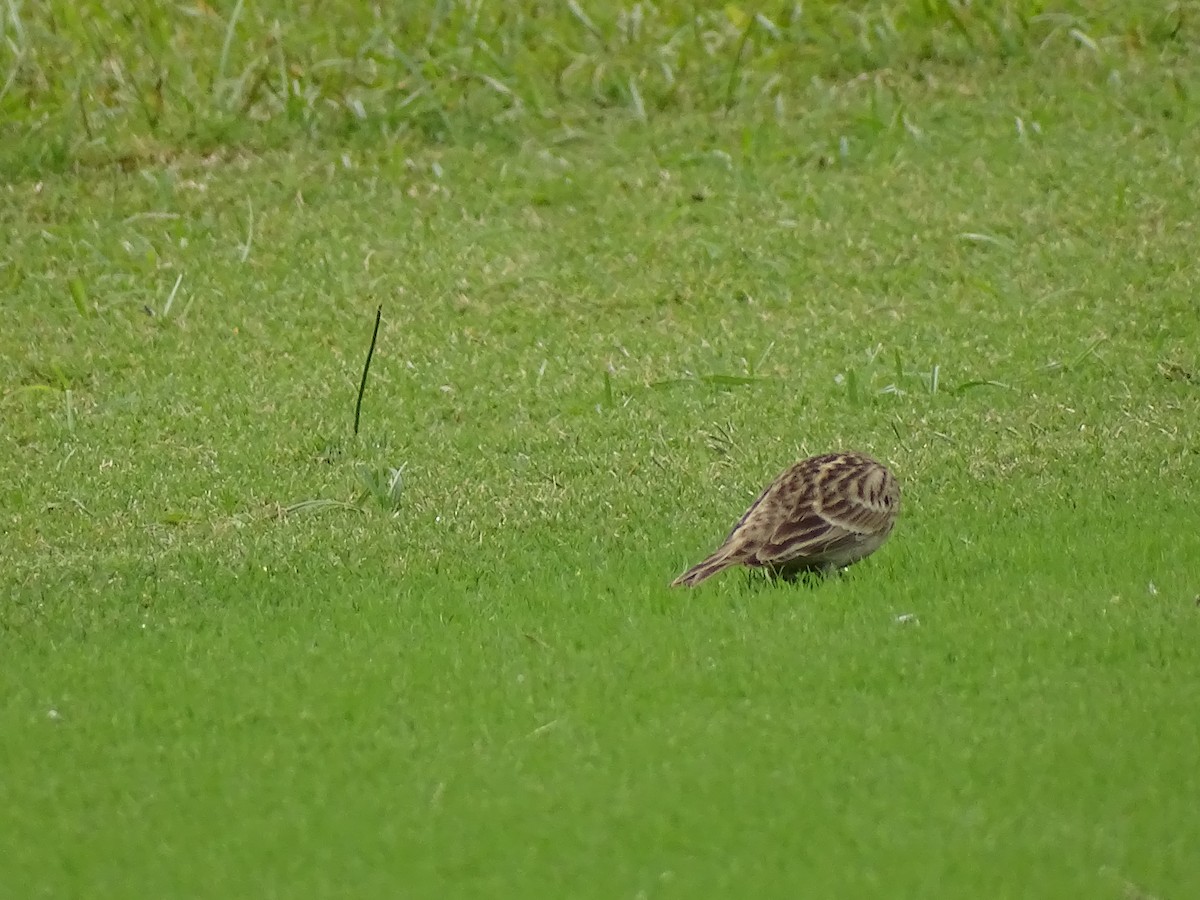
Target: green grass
<point>629,269</point>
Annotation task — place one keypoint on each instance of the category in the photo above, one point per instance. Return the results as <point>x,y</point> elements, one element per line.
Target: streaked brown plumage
<point>823,513</point>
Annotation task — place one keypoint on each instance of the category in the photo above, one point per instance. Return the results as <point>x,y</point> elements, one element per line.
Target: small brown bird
<point>821,514</point>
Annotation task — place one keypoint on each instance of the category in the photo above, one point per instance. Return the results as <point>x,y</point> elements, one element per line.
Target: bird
<point>821,514</point>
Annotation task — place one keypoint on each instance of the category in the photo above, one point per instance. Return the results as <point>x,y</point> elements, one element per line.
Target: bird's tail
<point>718,562</point>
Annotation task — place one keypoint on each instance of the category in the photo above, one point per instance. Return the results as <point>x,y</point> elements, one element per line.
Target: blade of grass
<point>230,27</point>
<point>79,296</point>
<point>362,385</point>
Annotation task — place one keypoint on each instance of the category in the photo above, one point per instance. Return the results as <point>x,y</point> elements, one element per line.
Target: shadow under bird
<point>823,513</point>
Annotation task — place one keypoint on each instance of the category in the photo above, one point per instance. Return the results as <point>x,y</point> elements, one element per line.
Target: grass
<point>632,262</point>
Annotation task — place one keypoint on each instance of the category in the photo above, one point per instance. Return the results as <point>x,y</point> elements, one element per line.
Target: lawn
<point>632,261</point>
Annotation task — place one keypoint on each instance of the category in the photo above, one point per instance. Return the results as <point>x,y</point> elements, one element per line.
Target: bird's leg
<point>793,573</point>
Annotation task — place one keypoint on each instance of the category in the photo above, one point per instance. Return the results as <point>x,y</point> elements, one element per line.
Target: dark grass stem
<point>362,385</point>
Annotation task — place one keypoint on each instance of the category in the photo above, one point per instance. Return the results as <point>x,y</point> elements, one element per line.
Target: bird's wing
<point>855,513</point>
<point>811,537</point>
<point>752,512</point>
<point>827,527</point>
